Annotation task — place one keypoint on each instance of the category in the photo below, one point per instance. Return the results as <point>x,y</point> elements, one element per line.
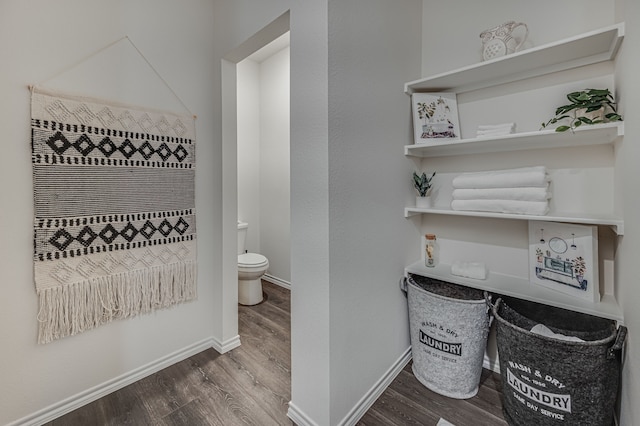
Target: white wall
<point>374,47</point>
<point>249,184</point>
<point>451,37</point>
<point>38,40</point>
<point>275,179</point>
<point>548,21</point>
<point>263,158</point>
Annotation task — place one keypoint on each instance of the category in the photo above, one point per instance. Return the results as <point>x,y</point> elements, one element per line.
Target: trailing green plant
<point>422,183</point>
<point>585,102</point>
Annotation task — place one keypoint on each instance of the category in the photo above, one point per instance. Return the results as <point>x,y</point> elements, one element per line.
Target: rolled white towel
<point>537,208</point>
<point>476,270</point>
<point>511,178</point>
<point>522,194</point>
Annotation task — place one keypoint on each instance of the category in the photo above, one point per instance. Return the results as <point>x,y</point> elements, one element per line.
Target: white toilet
<point>251,268</point>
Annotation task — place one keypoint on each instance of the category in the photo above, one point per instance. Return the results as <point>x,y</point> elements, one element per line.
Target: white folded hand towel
<point>492,133</point>
<point>497,126</point>
<point>543,330</point>
<point>512,178</point>
<point>476,270</point>
<point>537,208</point>
<point>522,194</point>
<point>495,129</point>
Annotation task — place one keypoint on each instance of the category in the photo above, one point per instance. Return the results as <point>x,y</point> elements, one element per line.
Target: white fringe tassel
<point>74,308</point>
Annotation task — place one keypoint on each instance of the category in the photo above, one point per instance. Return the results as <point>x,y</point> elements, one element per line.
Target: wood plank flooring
<point>407,402</point>
<point>251,385</point>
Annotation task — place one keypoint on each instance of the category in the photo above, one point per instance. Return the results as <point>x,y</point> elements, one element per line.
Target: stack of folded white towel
<point>492,130</point>
<point>519,191</point>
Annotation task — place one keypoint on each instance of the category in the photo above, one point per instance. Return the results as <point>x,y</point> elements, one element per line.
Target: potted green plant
<point>589,106</point>
<point>422,184</point>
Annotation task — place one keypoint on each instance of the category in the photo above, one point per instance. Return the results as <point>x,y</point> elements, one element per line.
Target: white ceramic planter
<point>423,202</point>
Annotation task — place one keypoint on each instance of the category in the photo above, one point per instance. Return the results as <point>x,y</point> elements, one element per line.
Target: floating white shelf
<point>585,49</point>
<point>521,288</point>
<point>616,224</point>
<point>598,134</point>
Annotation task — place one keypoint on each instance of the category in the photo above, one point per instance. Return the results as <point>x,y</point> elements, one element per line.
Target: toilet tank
<point>242,235</point>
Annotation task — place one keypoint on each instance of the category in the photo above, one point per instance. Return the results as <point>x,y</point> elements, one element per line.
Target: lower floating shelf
<point>616,224</point>
<point>521,288</point>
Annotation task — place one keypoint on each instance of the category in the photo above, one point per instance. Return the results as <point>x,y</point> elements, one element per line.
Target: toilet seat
<point>252,260</point>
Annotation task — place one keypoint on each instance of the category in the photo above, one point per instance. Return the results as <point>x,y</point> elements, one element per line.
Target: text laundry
<point>557,401</point>
<point>450,348</point>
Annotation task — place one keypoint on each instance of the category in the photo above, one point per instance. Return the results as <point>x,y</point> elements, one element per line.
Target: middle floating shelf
<point>616,224</point>
<point>598,134</point>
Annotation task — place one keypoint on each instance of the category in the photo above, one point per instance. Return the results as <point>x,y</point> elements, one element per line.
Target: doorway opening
<point>263,156</point>
<point>265,44</point>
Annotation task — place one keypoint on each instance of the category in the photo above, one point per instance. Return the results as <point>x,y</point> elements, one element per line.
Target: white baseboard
<point>67,405</point>
<point>277,281</point>
<point>299,417</point>
<point>378,388</point>
<point>227,345</point>
<point>356,413</point>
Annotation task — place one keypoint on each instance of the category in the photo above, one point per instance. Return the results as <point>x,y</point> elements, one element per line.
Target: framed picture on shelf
<point>435,117</point>
<point>564,257</point>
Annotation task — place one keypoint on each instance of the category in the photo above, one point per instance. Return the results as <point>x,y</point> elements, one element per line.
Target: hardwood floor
<point>251,385</point>
<point>407,402</point>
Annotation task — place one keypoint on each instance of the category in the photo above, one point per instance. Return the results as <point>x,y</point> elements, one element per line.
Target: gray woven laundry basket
<point>449,325</point>
<point>548,381</point>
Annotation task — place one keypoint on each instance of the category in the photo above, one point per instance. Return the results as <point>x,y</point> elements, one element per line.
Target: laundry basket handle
<point>617,345</point>
<point>403,284</point>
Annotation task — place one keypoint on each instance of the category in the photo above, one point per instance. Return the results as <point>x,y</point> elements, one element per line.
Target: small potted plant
<point>589,106</point>
<point>422,184</point>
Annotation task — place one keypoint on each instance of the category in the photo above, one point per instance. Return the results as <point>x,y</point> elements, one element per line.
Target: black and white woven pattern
<point>114,197</point>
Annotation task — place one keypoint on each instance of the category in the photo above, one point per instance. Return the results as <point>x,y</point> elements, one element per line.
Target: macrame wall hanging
<point>115,224</point>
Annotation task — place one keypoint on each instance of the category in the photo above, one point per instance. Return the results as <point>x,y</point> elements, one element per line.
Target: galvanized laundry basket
<point>449,325</point>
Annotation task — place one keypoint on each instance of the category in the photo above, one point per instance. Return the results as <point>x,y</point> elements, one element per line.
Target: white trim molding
<point>227,345</point>
<point>277,281</point>
<point>299,417</point>
<point>376,390</point>
<point>74,402</point>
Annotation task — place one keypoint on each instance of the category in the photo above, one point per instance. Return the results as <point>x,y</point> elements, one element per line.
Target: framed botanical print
<point>435,116</point>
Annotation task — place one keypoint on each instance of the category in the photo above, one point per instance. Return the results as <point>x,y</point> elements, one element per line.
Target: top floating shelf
<point>596,134</point>
<point>585,49</point>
